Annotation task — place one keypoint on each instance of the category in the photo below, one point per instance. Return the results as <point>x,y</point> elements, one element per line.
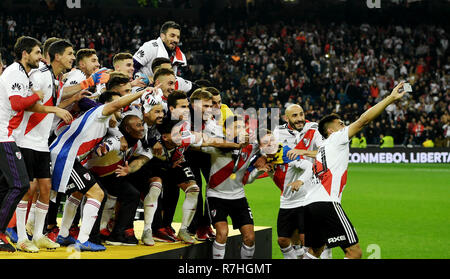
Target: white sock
<point>40,214</point>
<point>150,204</point>
<point>31,216</point>
<point>90,213</point>
<point>326,254</point>
<point>218,250</point>
<point>70,210</point>
<point>308,256</point>
<point>21,214</point>
<point>189,206</point>
<point>289,252</point>
<point>299,250</point>
<point>108,211</point>
<point>247,252</point>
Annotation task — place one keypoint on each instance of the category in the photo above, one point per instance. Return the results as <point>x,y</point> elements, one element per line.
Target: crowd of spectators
<point>326,68</point>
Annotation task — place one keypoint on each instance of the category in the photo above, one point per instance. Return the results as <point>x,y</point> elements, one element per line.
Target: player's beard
<point>33,64</point>
<point>295,124</point>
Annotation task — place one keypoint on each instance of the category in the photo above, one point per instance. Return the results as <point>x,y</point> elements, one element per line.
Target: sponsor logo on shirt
<point>336,239</point>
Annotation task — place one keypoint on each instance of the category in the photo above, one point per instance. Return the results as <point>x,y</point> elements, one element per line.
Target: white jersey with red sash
<point>308,138</point>
<point>77,140</point>
<point>220,184</point>
<point>35,128</point>
<point>330,169</point>
<point>13,82</point>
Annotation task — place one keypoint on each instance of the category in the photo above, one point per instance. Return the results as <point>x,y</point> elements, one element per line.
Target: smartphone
<point>407,87</point>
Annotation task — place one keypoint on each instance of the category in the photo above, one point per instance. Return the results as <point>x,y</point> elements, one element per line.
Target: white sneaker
<point>184,236</point>
<point>27,246</point>
<point>147,237</point>
<point>45,242</point>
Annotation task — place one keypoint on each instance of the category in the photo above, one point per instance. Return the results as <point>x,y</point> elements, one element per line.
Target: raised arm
<point>376,110</point>
<point>123,101</point>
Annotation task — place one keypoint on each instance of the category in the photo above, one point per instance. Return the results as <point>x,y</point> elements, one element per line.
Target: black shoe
<point>96,239</point>
<point>5,245</point>
<point>124,238</point>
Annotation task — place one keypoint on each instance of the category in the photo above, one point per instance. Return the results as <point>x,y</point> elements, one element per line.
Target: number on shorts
<point>188,172</point>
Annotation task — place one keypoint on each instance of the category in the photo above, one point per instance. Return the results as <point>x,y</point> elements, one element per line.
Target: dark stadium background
<point>217,38</point>
<point>401,207</point>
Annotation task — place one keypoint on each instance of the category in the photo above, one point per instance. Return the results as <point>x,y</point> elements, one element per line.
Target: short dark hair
<point>203,83</point>
<point>121,56</point>
<point>116,79</point>
<point>214,91</point>
<point>83,53</point>
<point>169,24</point>
<point>162,72</point>
<point>323,123</point>
<point>107,96</point>
<point>125,121</point>
<point>167,125</point>
<point>25,43</point>
<point>158,61</point>
<point>58,47</point>
<point>47,44</point>
<point>200,94</point>
<point>174,97</point>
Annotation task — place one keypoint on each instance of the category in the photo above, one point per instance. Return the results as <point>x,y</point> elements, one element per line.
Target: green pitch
<point>400,211</point>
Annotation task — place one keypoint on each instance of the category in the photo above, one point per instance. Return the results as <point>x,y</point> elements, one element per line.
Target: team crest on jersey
<point>213,213</point>
<point>244,156</point>
<point>18,155</point>
<point>87,176</point>
<point>306,141</point>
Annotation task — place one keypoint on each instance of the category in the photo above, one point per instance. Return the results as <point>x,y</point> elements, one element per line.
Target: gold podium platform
<point>198,250</point>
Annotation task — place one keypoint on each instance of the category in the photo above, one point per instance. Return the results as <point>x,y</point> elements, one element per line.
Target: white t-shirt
<point>35,128</point>
<point>330,169</point>
<point>13,81</point>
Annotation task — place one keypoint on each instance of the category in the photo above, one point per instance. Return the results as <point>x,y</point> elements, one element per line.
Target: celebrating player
<point>165,46</point>
<point>16,96</point>
<point>325,220</point>
<point>32,138</point>
<point>70,177</point>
